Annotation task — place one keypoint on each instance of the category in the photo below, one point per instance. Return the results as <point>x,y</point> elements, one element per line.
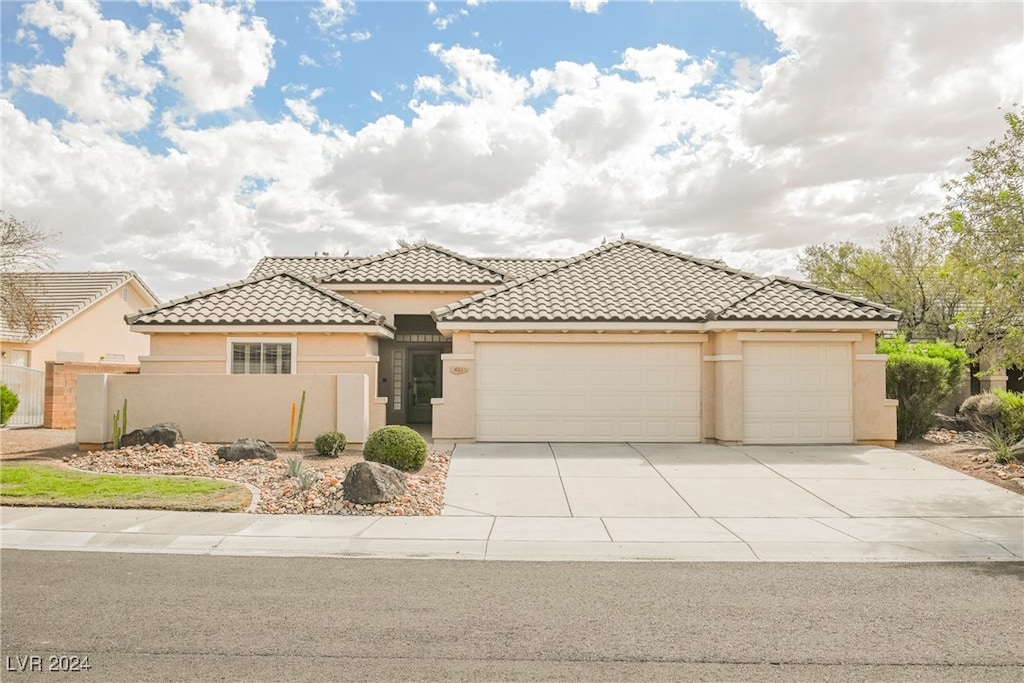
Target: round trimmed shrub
<point>8,403</point>
<point>329,444</point>
<point>397,446</point>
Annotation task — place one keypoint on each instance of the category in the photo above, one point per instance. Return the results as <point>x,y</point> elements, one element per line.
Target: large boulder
<point>982,411</point>
<point>957,423</point>
<point>370,482</point>
<point>162,434</point>
<point>248,449</point>
<point>1017,450</point>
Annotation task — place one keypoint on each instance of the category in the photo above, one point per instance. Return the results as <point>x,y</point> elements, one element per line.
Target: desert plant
<point>120,424</point>
<point>329,444</point>
<point>999,442</point>
<point>397,446</point>
<point>298,427</point>
<point>921,376</point>
<point>305,480</point>
<point>293,466</point>
<point>8,403</point>
<point>1011,413</point>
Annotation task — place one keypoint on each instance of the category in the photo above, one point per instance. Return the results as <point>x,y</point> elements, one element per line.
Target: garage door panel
<point>797,392</point>
<point>588,392</point>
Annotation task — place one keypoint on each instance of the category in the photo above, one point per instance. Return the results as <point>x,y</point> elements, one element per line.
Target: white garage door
<point>797,393</point>
<point>588,392</point>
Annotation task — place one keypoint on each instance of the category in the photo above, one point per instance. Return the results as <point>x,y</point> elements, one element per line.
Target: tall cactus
<point>120,424</point>
<point>298,427</point>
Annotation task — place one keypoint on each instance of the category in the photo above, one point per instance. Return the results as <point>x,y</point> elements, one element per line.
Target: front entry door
<point>424,384</point>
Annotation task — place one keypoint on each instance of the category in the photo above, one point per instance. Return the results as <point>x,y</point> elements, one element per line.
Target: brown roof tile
<point>624,281</point>
<point>280,299</point>
<point>421,264</point>
<point>306,267</point>
<point>783,299</point>
<point>515,268</point>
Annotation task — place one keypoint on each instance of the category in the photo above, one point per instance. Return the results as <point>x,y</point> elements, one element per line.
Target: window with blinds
<point>261,358</point>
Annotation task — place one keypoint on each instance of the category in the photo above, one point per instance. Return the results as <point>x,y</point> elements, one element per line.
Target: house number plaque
<point>459,370</point>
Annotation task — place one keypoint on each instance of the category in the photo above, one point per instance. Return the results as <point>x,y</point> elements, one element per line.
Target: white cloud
<point>104,78</point>
<point>331,15</point>
<point>867,111</point>
<point>218,57</point>
<point>376,95</point>
<point>306,60</point>
<point>431,7</point>
<point>588,6</point>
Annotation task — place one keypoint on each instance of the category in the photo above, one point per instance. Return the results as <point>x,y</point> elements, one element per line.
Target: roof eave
<point>377,329</point>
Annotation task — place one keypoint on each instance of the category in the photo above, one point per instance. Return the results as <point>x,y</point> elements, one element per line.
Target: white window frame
<point>291,341</point>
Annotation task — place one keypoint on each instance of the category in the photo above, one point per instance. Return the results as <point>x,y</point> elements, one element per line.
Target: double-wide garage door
<point>797,393</point>
<point>588,392</point>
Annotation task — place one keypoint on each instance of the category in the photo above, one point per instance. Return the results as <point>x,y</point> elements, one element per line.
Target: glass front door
<point>424,384</point>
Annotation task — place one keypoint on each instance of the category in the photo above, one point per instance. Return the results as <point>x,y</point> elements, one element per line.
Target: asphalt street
<point>140,617</point>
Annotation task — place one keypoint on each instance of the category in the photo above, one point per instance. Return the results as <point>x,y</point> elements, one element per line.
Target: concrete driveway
<point>602,502</point>
<point>702,501</point>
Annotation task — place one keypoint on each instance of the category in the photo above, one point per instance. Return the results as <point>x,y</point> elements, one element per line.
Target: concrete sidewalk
<point>609,502</point>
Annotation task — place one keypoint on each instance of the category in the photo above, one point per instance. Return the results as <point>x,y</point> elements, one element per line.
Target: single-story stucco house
<point>80,318</point>
<point>626,342</point>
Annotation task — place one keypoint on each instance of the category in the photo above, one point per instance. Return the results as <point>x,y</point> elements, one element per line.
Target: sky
<point>185,140</point>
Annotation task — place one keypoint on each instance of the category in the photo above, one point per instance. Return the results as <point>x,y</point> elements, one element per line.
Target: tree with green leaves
<point>906,270</point>
<point>983,222</point>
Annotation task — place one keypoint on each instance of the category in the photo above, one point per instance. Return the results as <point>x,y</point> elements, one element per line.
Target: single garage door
<point>588,392</point>
<point>797,393</point>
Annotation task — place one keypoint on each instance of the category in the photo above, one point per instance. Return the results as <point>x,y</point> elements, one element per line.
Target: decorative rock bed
<point>279,493</point>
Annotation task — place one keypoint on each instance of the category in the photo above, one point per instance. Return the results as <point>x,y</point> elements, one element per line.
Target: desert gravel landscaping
<point>278,493</point>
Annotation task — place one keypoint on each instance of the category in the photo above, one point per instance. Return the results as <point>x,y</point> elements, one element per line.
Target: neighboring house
<point>82,319</point>
<point>628,341</point>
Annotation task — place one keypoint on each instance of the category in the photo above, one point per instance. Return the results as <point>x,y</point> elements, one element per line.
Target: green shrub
<point>1012,413</point>
<point>397,446</point>
<point>329,444</point>
<point>8,403</point>
<point>920,376</point>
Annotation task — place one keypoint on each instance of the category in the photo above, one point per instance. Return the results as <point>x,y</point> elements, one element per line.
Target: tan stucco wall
<point>96,332</point>
<point>220,409</point>
<point>316,354</point>
<point>725,402</point>
<point>874,416</point>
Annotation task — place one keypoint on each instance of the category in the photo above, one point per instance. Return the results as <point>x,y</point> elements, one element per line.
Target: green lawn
<point>55,486</point>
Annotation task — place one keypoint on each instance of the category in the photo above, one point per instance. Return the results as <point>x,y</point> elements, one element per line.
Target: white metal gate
<point>30,386</point>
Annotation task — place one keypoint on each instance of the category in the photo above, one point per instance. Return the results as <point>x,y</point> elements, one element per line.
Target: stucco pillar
<point>455,411</point>
<point>727,365</point>
<point>991,376</point>
<point>92,412</point>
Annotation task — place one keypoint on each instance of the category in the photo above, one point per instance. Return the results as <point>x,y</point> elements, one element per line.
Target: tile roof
<point>621,281</point>
<point>62,295</point>
<point>280,299</point>
<point>308,268</point>
<point>515,268</point>
<point>312,268</point>
<point>420,264</point>
<point>629,281</point>
<point>784,299</point>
